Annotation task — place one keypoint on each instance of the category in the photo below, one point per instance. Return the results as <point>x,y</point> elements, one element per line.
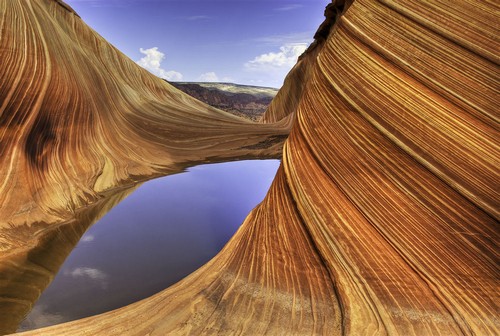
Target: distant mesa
<point>243,100</point>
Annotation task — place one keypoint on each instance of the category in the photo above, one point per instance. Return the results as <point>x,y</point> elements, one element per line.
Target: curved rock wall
<point>383,218</point>
<point>79,122</point>
<point>78,118</point>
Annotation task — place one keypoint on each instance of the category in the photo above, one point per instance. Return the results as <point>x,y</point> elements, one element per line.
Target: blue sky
<point>253,42</point>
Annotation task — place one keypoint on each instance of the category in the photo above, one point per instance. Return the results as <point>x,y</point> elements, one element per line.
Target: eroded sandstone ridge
<point>383,218</point>
<point>79,122</point>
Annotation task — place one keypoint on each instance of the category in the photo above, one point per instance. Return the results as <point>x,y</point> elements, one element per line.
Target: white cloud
<point>289,7</point>
<point>100,278</point>
<point>283,39</point>
<point>152,63</point>
<point>87,238</point>
<point>87,272</point>
<point>208,77</point>
<point>40,317</point>
<point>285,59</point>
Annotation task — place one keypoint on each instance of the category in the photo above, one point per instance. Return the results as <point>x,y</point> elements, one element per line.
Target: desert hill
<point>243,100</point>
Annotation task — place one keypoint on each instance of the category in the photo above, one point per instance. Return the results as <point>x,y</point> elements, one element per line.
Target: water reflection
<point>25,272</point>
<point>160,233</point>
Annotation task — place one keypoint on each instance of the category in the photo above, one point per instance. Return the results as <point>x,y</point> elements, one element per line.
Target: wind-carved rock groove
<point>382,219</point>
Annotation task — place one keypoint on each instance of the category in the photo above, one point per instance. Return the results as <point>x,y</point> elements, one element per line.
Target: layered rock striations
<point>383,217</point>
<point>79,122</point>
<point>78,117</point>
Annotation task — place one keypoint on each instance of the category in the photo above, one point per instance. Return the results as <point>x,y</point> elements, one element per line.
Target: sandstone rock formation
<point>383,218</point>
<point>79,122</point>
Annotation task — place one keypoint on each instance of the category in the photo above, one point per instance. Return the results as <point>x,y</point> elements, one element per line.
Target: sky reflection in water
<point>160,233</point>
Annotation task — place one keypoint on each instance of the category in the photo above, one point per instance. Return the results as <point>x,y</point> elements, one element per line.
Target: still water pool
<point>160,233</point>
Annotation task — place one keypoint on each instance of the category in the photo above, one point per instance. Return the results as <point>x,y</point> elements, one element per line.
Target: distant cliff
<point>243,100</point>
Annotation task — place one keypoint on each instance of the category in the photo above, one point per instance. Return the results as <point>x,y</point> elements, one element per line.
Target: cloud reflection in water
<point>162,232</point>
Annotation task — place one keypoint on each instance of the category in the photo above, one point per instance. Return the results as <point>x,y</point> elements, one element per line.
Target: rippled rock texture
<point>79,122</point>
<point>383,218</point>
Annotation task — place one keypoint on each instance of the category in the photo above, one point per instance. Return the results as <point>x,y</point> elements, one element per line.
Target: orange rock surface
<point>382,219</point>
<point>79,122</point>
